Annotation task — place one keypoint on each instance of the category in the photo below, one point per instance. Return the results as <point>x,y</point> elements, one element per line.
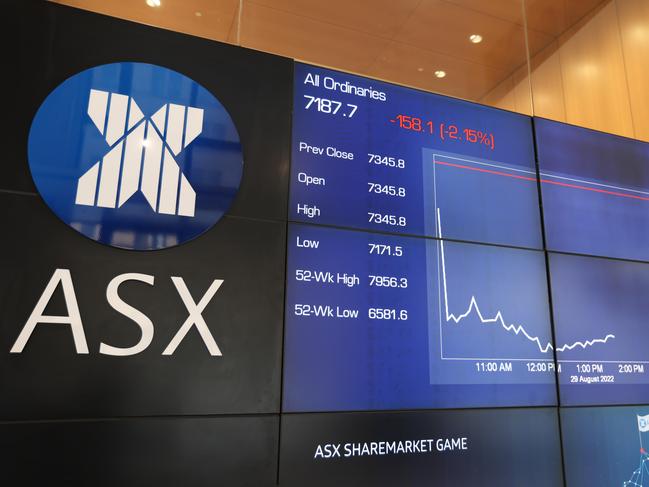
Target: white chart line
<point>442,156</point>
<point>586,344</point>
<point>439,298</point>
<point>498,318</point>
<point>584,181</point>
<point>542,174</point>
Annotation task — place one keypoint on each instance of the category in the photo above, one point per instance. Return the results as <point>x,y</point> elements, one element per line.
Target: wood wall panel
<point>634,28</point>
<point>593,74</point>
<point>502,96</point>
<point>512,94</point>
<point>547,84</point>
<point>522,91</point>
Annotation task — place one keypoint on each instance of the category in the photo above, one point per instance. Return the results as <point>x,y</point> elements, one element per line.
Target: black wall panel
<point>50,380</point>
<point>190,418</point>
<point>504,448</point>
<point>227,451</point>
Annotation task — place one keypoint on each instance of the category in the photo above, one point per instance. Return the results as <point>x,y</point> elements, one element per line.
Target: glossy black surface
<point>50,380</point>
<point>505,448</point>
<point>228,451</point>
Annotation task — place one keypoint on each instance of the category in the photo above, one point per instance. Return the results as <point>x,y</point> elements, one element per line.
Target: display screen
<point>489,448</point>
<point>595,189</point>
<point>417,278</point>
<point>606,446</point>
<point>376,156</point>
<point>600,318</point>
<point>427,292</point>
<point>377,321</point>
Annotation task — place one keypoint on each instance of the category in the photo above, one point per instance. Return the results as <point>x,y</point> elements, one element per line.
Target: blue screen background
<point>506,206</point>
<point>333,363</point>
<point>595,191</point>
<point>594,194</point>
<point>594,298</point>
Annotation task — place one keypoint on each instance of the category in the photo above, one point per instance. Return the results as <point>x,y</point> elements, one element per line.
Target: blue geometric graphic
<point>135,156</point>
<point>605,446</point>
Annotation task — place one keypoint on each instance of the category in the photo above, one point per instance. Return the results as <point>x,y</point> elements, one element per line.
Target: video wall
<point>406,289</point>
<point>452,257</point>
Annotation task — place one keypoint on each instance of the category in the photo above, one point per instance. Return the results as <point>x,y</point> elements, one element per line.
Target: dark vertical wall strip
<point>549,281</point>
<point>146,419</point>
<point>233,451</point>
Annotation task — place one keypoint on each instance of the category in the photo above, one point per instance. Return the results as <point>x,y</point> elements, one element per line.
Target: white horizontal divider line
<point>542,174</point>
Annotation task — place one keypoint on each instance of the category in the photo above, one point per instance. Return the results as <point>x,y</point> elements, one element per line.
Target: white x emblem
<point>141,155</point>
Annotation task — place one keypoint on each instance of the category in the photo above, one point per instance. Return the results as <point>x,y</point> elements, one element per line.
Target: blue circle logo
<point>135,156</point>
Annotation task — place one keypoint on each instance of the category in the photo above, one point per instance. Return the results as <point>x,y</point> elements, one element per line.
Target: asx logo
<point>135,156</point>
<point>63,278</point>
<point>141,155</point>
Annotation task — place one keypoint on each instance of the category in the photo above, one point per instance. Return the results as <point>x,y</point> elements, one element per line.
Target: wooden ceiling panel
<point>551,17</point>
<point>388,39</point>
<point>291,35</point>
<point>443,27</point>
<point>215,20</point>
<point>509,10</point>
<point>381,18</point>
<point>402,63</point>
<point>556,16</point>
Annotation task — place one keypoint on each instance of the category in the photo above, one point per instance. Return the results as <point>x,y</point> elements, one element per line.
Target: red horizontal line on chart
<point>544,181</point>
